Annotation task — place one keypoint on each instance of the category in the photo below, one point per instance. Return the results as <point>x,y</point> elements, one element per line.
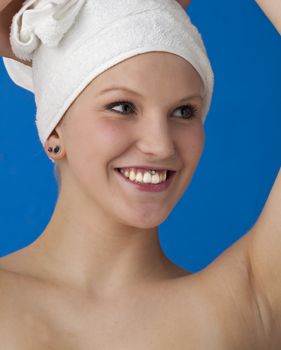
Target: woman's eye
<point>191,111</point>
<point>126,107</point>
<point>121,103</point>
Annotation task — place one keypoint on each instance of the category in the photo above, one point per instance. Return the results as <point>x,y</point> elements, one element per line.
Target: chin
<point>146,221</point>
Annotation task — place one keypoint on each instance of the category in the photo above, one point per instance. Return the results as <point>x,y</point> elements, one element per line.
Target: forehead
<point>150,70</point>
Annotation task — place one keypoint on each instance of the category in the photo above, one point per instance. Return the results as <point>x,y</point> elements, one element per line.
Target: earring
<point>55,150</point>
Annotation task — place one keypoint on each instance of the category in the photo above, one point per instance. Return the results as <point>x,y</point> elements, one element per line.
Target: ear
<point>55,139</point>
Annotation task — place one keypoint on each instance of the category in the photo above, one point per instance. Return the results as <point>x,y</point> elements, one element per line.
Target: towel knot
<point>42,22</point>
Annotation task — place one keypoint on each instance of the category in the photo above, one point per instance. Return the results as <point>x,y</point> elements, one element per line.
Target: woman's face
<point>155,127</point>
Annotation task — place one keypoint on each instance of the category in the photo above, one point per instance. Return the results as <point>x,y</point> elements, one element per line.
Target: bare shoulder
<point>236,315</point>
<point>12,290</point>
<point>215,309</point>
<point>9,290</point>
<point>22,317</point>
<point>18,295</point>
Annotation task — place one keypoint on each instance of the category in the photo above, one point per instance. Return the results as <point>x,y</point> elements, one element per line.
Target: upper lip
<point>148,167</point>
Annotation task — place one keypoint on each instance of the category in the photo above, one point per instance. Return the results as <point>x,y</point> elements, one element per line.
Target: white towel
<point>70,42</point>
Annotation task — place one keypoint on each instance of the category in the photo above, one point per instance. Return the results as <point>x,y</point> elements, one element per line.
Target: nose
<point>155,138</point>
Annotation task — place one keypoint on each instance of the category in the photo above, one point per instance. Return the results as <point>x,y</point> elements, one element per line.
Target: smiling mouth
<point>170,174</point>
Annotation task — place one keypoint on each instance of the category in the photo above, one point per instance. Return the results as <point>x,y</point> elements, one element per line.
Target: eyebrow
<point>114,88</point>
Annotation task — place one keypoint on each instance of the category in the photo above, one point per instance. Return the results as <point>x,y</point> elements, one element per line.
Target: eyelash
<point>192,108</point>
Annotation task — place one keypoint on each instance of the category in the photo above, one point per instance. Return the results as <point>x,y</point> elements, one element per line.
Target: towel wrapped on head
<point>43,22</point>
<point>71,42</point>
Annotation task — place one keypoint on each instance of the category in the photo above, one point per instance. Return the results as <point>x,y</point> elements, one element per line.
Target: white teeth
<point>132,175</point>
<point>157,178</point>
<point>147,177</point>
<point>139,177</point>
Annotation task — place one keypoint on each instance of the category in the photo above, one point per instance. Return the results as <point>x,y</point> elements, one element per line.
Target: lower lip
<point>149,187</point>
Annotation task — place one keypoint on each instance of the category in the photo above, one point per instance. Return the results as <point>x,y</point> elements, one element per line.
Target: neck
<point>84,248</point>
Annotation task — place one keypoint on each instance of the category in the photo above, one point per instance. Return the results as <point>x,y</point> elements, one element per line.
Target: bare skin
<point>97,278</point>
<point>272,8</point>
<point>8,9</point>
<point>100,262</point>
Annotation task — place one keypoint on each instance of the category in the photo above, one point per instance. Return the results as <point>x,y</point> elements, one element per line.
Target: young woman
<point>97,278</point>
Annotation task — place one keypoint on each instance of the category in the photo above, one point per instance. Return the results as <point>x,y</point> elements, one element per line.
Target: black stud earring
<point>55,150</point>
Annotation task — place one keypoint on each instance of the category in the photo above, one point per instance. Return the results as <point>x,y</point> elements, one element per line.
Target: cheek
<point>198,139</point>
<point>100,138</point>
<point>111,133</point>
<point>191,141</point>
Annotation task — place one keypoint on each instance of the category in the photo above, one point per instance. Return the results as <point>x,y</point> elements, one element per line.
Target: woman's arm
<point>265,243</point>
<point>265,257</point>
<point>184,3</point>
<point>4,3</point>
<point>8,8</point>
<point>272,8</point>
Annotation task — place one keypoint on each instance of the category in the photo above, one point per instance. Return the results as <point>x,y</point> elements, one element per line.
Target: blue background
<point>239,164</point>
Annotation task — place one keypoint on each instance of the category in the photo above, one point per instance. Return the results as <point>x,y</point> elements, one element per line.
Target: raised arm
<point>272,8</point>
<point>265,237</point>
<point>4,4</point>
<point>184,3</point>
<point>265,258</point>
<point>8,8</point>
